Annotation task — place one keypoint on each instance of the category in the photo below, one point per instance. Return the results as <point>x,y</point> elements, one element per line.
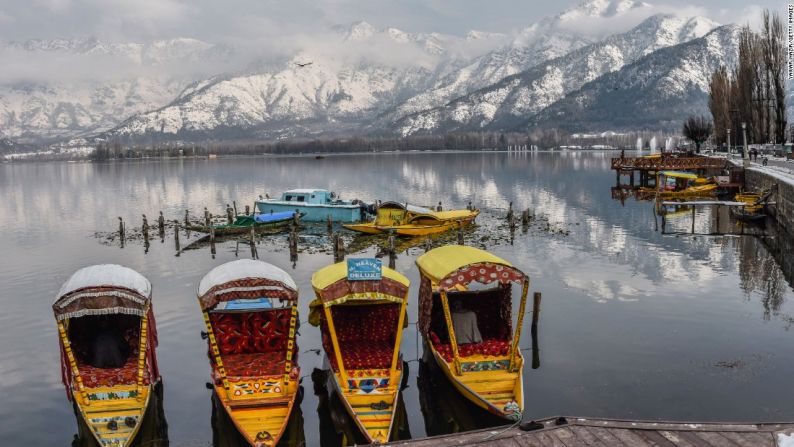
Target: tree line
<point>753,92</point>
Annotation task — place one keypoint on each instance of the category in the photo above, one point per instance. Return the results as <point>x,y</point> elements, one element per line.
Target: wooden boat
<point>672,184</point>
<point>487,372</point>
<point>108,302</point>
<point>243,224</point>
<point>361,322</point>
<point>411,220</point>
<point>251,311</point>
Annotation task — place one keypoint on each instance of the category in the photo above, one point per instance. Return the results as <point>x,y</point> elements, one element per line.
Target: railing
<point>667,163</point>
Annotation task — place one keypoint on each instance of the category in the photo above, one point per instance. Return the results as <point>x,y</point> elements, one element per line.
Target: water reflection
<point>153,431</point>
<point>225,434</point>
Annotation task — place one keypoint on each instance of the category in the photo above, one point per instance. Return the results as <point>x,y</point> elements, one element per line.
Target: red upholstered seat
<point>126,375</point>
<point>247,366</point>
<point>246,333</point>
<point>366,335</point>
<point>491,347</point>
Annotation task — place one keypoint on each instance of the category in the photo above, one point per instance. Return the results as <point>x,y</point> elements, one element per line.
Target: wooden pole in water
<point>428,244</point>
<point>693,219</point>
<point>248,210</point>
<point>161,224</point>
<point>460,236</point>
<point>234,202</point>
<point>391,243</point>
<point>121,229</point>
<point>176,235</point>
<point>212,241</point>
<point>510,211</point>
<point>145,227</point>
<point>187,217</point>
<point>329,223</point>
<point>535,309</point>
<point>719,207</point>
<point>206,217</point>
<point>254,253</point>
<point>296,218</point>
<point>229,216</point>
<point>525,218</point>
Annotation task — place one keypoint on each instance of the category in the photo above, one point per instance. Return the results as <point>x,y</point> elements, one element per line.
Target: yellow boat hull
<point>102,404</point>
<point>490,390</point>
<point>368,228</point>
<point>262,421</point>
<point>376,423</point>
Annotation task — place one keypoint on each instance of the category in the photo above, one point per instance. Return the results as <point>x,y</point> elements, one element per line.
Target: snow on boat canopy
<point>407,207</point>
<point>103,289</point>
<point>246,285</point>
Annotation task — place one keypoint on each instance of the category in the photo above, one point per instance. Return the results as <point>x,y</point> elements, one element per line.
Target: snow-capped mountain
<point>61,88</point>
<point>312,92</point>
<point>516,97</point>
<point>657,91</point>
<point>550,38</point>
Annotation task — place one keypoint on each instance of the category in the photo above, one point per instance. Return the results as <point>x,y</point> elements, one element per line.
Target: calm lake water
<point>634,324</point>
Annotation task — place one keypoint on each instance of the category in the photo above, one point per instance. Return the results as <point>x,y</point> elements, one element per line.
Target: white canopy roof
<point>244,268</point>
<point>108,275</point>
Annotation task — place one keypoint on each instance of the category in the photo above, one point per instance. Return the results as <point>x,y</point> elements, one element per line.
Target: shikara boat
<point>105,311</point>
<point>361,321</point>
<point>411,220</point>
<point>243,224</point>
<point>474,346</point>
<point>251,311</point>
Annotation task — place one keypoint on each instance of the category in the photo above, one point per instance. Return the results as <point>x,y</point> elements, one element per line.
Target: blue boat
<point>316,205</point>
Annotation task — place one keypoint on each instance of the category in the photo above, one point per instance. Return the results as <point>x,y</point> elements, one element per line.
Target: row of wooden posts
<point>338,246</point>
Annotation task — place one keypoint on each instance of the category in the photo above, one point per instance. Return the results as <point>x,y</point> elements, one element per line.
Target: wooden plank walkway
<point>609,432</point>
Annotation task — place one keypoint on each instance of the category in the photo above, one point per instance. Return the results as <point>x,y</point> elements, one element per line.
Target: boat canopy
<point>407,207</point>
<point>679,174</point>
<point>273,217</point>
<point>332,286</point>
<point>102,290</point>
<point>246,284</point>
<point>453,265</point>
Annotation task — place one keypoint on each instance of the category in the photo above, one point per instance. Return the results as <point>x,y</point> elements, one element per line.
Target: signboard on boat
<point>364,269</point>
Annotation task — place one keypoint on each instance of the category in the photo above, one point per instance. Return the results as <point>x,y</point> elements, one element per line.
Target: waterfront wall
<point>756,179</point>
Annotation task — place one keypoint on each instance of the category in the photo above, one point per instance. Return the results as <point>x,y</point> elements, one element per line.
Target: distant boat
<point>316,205</point>
<point>112,302</point>
<point>243,224</point>
<point>411,220</point>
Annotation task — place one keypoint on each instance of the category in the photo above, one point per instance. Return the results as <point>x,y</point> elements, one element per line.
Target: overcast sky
<point>234,20</point>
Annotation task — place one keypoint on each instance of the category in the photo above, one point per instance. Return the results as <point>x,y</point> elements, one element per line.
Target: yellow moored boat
<point>411,220</point>
<point>474,345</point>
<point>361,319</point>
<point>672,184</point>
<point>251,310</point>
<point>108,339</point>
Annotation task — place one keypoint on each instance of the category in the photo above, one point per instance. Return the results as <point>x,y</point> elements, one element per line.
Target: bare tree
<point>697,129</point>
<point>719,103</point>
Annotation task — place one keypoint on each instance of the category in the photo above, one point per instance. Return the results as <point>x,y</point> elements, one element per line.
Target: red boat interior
<point>366,335</point>
<point>253,344</point>
<point>493,310</point>
<point>82,333</point>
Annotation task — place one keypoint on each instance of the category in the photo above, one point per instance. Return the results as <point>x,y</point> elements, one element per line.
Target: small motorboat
<point>316,205</point>
<point>465,303</point>
<point>361,319</point>
<point>243,224</point>
<point>412,220</point>
<point>250,310</point>
<point>108,340</point>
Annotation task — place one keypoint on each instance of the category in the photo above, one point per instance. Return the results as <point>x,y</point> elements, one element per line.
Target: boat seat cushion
<point>253,332</point>
<point>247,366</point>
<point>126,375</point>
<point>366,335</point>
<point>488,347</point>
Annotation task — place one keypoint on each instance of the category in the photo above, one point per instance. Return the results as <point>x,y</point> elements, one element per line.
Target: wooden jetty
<point>574,432</point>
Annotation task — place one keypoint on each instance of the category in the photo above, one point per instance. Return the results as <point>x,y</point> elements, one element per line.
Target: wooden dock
<point>574,432</point>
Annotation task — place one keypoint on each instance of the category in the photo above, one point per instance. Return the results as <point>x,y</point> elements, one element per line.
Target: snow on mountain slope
<point>547,39</point>
<point>657,91</point>
<point>62,88</point>
<point>529,92</point>
<point>335,93</point>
